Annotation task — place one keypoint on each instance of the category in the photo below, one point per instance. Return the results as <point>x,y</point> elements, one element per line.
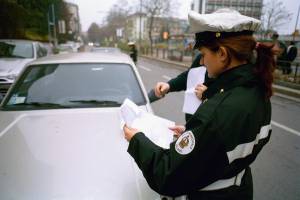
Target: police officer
<point>132,51</point>
<point>212,156</point>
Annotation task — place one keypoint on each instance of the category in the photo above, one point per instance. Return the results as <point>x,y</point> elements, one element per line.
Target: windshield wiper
<point>16,56</point>
<point>11,56</point>
<point>98,102</point>
<point>41,104</point>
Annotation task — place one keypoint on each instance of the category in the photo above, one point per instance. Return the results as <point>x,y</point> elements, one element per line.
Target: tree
<point>274,15</point>
<point>116,19</point>
<point>24,18</point>
<point>157,8</point>
<point>94,33</point>
<point>12,18</point>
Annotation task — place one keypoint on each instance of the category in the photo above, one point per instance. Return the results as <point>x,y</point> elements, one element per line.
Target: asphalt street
<point>276,171</point>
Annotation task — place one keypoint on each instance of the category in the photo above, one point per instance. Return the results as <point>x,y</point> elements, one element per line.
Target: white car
<point>60,134</point>
<point>106,49</point>
<point>14,55</point>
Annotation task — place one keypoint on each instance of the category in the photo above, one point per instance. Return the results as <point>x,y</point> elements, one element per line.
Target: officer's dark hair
<point>243,48</point>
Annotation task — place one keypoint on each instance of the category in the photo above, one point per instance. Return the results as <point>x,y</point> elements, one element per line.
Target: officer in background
<point>132,51</point>
<point>291,55</point>
<point>211,159</point>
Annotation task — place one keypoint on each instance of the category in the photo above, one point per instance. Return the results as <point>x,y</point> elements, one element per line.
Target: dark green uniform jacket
<point>211,159</point>
<point>133,54</point>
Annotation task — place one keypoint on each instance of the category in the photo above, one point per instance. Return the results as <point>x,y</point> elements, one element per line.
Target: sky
<point>95,11</point>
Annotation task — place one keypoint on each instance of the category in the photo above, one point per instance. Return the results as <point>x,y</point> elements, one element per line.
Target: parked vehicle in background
<point>14,56</point>
<point>66,48</point>
<point>60,134</point>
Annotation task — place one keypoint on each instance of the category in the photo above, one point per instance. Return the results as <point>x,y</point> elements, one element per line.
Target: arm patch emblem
<point>185,143</point>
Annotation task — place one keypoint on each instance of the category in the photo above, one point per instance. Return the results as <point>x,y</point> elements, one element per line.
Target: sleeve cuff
<point>134,142</point>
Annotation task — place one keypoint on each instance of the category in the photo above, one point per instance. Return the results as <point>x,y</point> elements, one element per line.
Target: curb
<point>286,92</point>
<point>166,61</point>
<point>281,91</point>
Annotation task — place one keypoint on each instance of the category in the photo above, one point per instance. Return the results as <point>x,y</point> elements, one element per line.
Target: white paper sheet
<point>191,101</point>
<point>154,127</point>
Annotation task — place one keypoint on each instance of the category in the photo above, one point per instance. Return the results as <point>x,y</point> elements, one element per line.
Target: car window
<point>16,49</point>
<point>75,85</point>
<point>41,51</point>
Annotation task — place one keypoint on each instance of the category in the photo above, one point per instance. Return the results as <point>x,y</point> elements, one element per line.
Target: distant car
<point>67,48</point>
<point>14,55</point>
<point>106,49</point>
<point>60,134</point>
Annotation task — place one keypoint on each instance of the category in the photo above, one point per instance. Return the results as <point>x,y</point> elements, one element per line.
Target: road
<point>276,171</point>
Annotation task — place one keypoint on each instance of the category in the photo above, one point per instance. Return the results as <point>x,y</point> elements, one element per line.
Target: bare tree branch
<point>274,15</point>
<point>157,8</point>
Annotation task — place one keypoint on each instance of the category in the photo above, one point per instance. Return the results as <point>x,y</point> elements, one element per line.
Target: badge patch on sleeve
<point>185,143</point>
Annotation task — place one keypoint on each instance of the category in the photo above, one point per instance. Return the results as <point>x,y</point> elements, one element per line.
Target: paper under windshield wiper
<point>98,102</point>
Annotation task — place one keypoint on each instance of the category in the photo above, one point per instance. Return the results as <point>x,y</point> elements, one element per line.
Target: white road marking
<point>285,128</point>
<point>166,77</point>
<point>144,68</point>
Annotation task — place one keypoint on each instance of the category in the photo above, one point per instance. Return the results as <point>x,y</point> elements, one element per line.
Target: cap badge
<point>218,34</point>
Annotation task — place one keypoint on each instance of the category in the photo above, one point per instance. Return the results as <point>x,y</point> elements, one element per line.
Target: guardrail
<point>292,68</point>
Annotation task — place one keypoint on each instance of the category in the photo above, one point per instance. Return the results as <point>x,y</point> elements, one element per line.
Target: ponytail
<point>265,66</point>
<point>242,48</point>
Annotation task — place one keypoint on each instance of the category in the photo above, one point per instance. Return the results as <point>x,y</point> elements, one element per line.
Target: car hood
<point>12,65</point>
<point>67,154</point>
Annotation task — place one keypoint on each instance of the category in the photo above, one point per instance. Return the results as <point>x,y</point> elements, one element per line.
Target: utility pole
<point>140,31</point>
<point>296,24</point>
<point>51,22</point>
<point>54,26</point>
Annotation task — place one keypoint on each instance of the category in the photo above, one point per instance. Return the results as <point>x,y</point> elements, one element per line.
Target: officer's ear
<point>223,54</point>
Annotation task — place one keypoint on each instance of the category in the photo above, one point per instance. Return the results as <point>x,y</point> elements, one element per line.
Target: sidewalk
<point>279,90</point>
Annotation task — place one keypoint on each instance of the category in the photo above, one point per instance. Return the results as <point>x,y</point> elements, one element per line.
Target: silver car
<point>106,49</point>
<point>60,134</point>
<point>14,55</point>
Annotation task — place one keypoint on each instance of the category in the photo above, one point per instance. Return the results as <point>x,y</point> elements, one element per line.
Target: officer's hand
<point>200,88</point>
<point>129,132</point>
<point>178,130</point>
<point>161,89</point>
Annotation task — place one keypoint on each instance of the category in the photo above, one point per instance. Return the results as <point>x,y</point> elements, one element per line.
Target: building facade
<point>251,8</point>
<point>74,23</point>
<point>139,25</point>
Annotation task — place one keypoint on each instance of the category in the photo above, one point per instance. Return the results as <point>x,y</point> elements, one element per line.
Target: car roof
<point>18,40</point>
<point>85,57</point>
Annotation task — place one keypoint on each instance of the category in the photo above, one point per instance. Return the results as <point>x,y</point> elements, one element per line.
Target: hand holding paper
<point>154,127</point>
<point>196,76</point>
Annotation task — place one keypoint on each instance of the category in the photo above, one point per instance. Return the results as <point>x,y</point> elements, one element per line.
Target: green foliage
<point>12,21</point>
<point>123,46</point>
<point>29,18</point>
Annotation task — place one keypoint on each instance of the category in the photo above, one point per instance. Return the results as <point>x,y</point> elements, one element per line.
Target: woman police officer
<point>211,159</point>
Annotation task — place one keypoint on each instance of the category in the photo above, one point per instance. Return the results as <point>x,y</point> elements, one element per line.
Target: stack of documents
<point>154,127</point>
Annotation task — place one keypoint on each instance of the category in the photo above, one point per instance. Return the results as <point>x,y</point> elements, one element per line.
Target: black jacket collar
<point>237,76</point>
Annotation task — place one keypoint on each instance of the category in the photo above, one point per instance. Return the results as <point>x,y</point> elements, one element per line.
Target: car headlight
<point>11,77</point>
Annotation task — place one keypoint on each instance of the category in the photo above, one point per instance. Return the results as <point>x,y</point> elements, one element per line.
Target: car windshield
<point>16,49</point>
<point>74,86</point>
